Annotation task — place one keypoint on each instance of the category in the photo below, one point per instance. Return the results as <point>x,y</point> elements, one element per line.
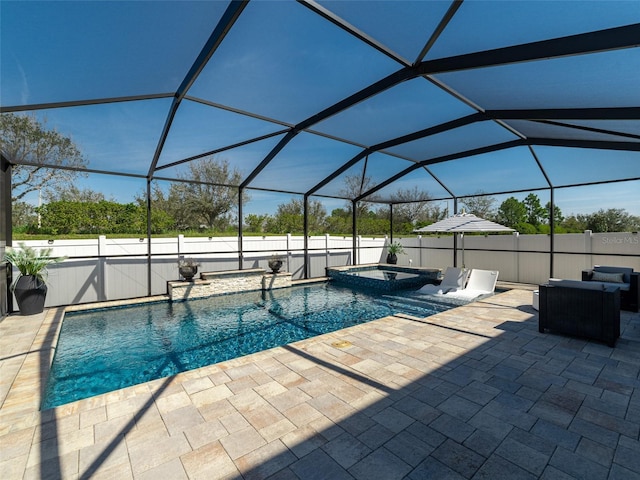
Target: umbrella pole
<point>455,249</point>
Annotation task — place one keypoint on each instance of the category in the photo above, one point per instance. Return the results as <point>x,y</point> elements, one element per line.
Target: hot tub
<point>383,277</point>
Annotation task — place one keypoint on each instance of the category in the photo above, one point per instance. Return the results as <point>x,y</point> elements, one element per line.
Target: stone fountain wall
<point>230,281</point>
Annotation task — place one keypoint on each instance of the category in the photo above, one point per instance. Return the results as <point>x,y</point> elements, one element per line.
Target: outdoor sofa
<point>582,309</point>
<point>625,278</point>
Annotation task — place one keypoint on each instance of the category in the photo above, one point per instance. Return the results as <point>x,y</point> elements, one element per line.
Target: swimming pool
<point>103,350</point>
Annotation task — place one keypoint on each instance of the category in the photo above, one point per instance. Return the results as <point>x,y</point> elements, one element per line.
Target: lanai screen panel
<point>282,61</point>
<point>403,27</point>
<point>457,140</point>
<point>405,108</point>
<point>69,51</point>
<point>578,200</point>
<point>113,137</point>
<point>629,128</point>
<point>582,81</point>
<point>244,158</point>
<point>486,25</point>
<point>364,175</point>
<point>499,171</point>
<point>566,166</point>
<point>306,158</point>
<point>200,129</point>
<point>417,185</point>
<point>570,131</point>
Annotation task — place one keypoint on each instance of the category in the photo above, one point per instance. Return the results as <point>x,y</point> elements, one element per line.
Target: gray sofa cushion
<point>599,276</point>
<point>577,284</point>
<point>621,286</point>
<point>624,270</point>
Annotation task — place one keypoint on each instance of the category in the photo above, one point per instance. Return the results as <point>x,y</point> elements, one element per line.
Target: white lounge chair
<point>454,280</point>
<point>481,282</point>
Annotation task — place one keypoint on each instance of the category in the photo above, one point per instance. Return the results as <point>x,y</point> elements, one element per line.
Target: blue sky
<point>282,61</point>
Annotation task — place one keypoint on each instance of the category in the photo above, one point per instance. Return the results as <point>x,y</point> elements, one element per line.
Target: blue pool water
<point>104,350</point>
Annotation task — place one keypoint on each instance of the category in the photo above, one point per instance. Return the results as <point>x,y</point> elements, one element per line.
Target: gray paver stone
<point>577,465</point>
<point>452,427</point>
<point>459,458</point>
<point>380,465</point>
<point>319,466</point>
<point>523,456</point>
<point>497,468</point>
<point>346,450</point>
<point>432,468</point>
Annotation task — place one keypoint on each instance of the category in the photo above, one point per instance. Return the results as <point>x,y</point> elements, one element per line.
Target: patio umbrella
<point>464,222</point>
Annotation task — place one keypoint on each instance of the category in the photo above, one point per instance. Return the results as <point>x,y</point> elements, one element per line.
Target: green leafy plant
<point>395,248</point>
<point>30,261</point>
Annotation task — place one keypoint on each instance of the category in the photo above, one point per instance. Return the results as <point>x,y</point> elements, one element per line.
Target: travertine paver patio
<point>475,392</point>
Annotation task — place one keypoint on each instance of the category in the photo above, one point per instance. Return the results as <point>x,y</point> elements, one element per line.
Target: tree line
<point>202,200</point>
<point>528,216</point>
<point>180,210</point>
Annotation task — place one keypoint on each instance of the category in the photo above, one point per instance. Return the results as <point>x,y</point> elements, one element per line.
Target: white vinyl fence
<point>111,269</point>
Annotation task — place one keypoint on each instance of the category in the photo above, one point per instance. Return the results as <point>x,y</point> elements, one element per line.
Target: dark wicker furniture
<point>629,290</point>
<point>571,308</point>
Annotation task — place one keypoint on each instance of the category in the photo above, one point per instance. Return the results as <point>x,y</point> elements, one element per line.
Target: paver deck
<point>475,392</point>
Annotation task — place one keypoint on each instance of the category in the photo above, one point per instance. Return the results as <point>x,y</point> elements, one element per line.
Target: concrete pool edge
<point>45,339</point>
<point>38,360</point>
<point>106,349</point>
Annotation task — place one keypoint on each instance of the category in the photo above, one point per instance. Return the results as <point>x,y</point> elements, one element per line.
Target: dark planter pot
<point>392,258</point>
<point>188,272</point>
<point>30,294</point>
<point>275,265</point>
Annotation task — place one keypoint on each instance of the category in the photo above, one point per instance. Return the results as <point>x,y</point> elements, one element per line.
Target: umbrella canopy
<point>464,222</point>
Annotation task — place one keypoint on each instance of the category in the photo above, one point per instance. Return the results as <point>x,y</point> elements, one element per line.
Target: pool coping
<point>72,438</point>
<point>46,339</point>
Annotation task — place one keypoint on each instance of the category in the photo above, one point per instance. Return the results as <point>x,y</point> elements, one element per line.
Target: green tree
<point>373,223</point>
<point>103,217</point>
<point>480,205</point>
<point>289,218</point>
<point>31,147</point>
<point>512,212</point>
<point>410,205</point>
<point>534,211</point>
<point>75,194</point>
<point>434,214</point>
<point>557,214</point>
<point>208,197</point>
<point>526,228</point>
<point>354,186</point>
<point>162,219</point>
<point>255,223</point>
<point>23,215</point>
<point>610,220</point>
<point>339,222</point>
<point>572,224</point>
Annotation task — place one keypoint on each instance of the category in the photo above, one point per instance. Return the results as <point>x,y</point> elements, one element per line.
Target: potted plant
<point>187,267</point>
<point>393,250</point>
<point>275,263</point>
<point>30,286</point>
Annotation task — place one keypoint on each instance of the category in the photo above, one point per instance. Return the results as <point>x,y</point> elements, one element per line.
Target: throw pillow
<point>607,277</point>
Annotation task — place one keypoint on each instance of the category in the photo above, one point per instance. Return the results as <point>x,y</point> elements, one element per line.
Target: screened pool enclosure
<point>451,98</point>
